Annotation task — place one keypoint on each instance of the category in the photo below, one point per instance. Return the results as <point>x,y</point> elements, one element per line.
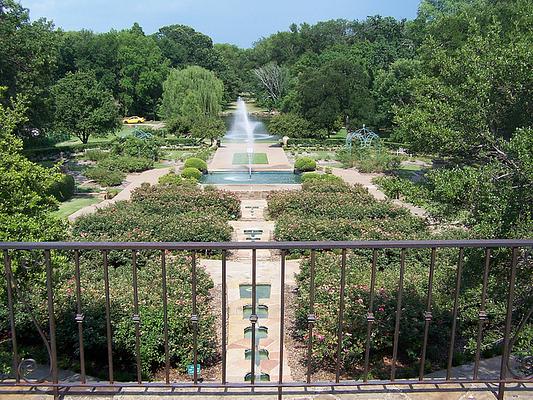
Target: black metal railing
<point>17,382</point>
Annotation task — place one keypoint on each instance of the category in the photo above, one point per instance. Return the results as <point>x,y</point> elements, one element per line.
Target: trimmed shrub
<point>174,179</point>
<point>136,147</point>
<point>196,163</point>
<point>314,177</point>
<point>305,164</point>
<point>96,154</point>
<point>191,173</point>
<point>104,176</point>
<point>126,164</point>
<point>64,188</point>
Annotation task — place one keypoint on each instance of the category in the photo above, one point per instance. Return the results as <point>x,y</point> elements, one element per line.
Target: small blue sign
<point>190,369</point>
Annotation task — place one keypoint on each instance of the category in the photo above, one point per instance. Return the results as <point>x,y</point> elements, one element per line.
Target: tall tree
<point>84,107</point>
<point>142,69</point>
<point>193,93</point>
<point>273,80</point>
<point>28,61</point>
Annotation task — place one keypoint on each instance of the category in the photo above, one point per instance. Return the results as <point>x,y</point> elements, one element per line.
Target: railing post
<point>311,318</point>
<point>508,320</point>
<point>281,324</point>
<point>340,317</point>
<point>51,321</point>
<point>9,282</point>
<point>79,315</point>
<point>398,316</point>
<point>165,315</point>
<point>224,316</point>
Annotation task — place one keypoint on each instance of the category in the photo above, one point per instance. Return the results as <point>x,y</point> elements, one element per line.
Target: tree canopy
<point>84,107</point>
<point>193,92</point>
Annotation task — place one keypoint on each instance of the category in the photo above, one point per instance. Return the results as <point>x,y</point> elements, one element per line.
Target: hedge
<point>126,163</point>
<point>104,176</point>
<point>63,189</point>
<point>304,164</point>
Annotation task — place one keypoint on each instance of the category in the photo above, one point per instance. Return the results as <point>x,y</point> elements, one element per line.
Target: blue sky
<point>240,22</point>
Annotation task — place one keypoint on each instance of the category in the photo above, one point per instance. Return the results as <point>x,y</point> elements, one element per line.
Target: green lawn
<point>76,203</point>
<point>257,158</point>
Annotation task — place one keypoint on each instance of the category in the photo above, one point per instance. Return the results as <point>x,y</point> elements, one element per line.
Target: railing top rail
<point>322,245</point>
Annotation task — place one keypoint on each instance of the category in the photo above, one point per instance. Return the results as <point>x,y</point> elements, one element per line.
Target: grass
<point>340,134</point>
<point>69,207</point>
<point>257,158</point>
<point>123,132</point>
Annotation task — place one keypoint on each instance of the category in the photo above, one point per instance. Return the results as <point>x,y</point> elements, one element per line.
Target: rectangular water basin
<point>257,178</point>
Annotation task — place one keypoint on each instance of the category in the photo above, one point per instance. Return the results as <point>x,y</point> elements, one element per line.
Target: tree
<point>28,62</point>
<point>209,128</point>
<point>273,79</point>
<point>193,92</point>
<point>142,69</point>
<point>25,199</point>
<point>338,88</point>
<point>183,46</point>
<point>294,126</point>
<point>83,107</point>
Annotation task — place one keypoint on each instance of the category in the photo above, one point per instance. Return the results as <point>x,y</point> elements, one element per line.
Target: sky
<point>239,22</point>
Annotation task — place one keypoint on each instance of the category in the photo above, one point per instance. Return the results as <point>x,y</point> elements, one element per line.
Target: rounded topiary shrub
<point>191,173</point>
<point>304,164</point>
<point>197,163</point>
<point>64,188</point>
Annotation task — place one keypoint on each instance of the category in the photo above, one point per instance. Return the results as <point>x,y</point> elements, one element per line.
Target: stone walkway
<point>223,158</point>
<point>134,181</point>
<point>253,227</point>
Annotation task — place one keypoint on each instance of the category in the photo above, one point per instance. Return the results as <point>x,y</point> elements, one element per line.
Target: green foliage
<point>196,163</point>
<point>193,93</point>
<point>104,176</point>
<point>304,164</point>
<point>191,173</point>
<point>142,69</point>
<point>294,126</point>
<point>174,179</point>
<point>208,128</point>
<point>368,160</point>
<point>332,210</point>
<point>83,107</point>
<point>64,188</point>
<point>126,164</point>
<point>136,147</point>
<point>312,177</point>
<point>166,213</point>
<point>25,199</point>
<point>152,352</point>
<point>96,154</point>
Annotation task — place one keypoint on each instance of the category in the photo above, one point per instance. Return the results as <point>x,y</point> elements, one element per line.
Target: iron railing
<point>17,382</point>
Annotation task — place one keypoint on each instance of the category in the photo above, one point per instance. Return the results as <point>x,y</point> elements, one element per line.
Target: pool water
<point>243,178</point>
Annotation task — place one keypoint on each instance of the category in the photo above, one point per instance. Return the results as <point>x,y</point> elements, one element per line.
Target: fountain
<point>241,123</point>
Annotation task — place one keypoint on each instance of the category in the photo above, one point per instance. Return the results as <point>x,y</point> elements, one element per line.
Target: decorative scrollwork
<point>525,364</point>
<point>28,365</point>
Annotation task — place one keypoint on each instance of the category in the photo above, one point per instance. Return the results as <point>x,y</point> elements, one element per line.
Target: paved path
<point>134,181</point>
<point>239,273</point>
<point>223,158</point>
<point>353,176</point>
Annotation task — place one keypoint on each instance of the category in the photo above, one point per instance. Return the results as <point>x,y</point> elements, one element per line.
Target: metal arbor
<point>365,136</point>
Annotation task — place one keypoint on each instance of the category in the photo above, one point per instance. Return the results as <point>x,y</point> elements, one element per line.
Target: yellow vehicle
<point>133,120</point>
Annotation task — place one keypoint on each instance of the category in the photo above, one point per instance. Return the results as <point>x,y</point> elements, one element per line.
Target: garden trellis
<point>365,136</point>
